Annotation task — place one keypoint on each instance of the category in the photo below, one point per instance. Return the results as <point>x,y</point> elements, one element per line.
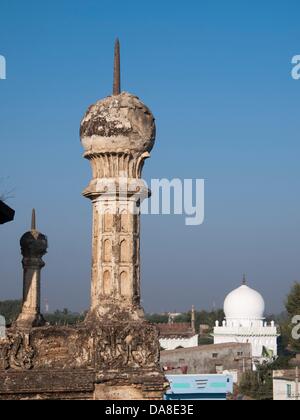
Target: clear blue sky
<point>216,75</point>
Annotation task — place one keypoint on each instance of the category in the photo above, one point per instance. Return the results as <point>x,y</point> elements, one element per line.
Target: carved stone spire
<point>117,70</point>
<point>33,220</point>
<point>33,246</point>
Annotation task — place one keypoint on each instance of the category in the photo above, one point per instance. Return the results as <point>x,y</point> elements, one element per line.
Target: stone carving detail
<point>17,353</point>
<point>128,346</point>
<point>112,346</point>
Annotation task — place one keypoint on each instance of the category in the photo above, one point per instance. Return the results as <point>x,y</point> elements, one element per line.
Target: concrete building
<point>210,359</point>
<point>245,323</point>
<point>286,385</point>
<point>199,387</point>
<point>173,336</point>
<point>178,334</point>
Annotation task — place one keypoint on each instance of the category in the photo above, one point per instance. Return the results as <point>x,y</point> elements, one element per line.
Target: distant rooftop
<point>182,329</point>
<point>208,347</point>
<point>285,375</point>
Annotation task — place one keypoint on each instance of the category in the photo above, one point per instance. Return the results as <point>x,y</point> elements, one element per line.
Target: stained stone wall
<point>82,362</point>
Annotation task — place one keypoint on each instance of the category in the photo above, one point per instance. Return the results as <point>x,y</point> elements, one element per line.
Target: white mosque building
<point>245,323</point>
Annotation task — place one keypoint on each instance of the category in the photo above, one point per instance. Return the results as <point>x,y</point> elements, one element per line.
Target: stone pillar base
<point>27,321</point>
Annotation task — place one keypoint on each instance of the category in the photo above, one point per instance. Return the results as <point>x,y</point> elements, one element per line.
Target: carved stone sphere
<point>34,244</point>
<point>118,124</point>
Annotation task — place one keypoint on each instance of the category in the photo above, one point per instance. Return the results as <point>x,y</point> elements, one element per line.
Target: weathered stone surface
<point>118,124</point>
<point>105,346</point>
<point>47,384</point>
<point>33,247</point>
<point>51,362</point>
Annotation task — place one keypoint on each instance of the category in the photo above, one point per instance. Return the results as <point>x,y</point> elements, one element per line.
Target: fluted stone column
<point>116,245</point>
<point>33,247</point>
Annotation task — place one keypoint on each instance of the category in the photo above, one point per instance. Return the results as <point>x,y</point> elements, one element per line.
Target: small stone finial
<point>33,220</point>
<point>244,280</point>
<point>33,247</point>
<point>117,70</point>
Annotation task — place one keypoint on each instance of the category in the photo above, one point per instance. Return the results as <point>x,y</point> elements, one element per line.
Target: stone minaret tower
<point>33,246</point>
<point>117,134</point>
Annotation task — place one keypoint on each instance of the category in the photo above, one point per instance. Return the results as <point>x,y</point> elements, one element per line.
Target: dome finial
<point>117,69</point>
<point>244,280</point>
<point>33,220</point>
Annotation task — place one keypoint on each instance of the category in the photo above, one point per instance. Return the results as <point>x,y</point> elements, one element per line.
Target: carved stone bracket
<point>126,346</point>
<point>16,352</point>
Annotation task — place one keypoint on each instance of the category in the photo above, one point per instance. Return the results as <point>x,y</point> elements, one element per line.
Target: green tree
<point>258,385</point>
<point>201,317</point>
<point>10,309</point>
<point>157,318</point>
<point>293,301</point>
<point>293,309</point>
<point>64,317</point>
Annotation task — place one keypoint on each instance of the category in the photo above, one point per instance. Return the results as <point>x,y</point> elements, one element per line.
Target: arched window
<point>108,222</point>
<point>124,286</point>
<point>107,251</point>
<point>107,283</point>
<point>124,252</point>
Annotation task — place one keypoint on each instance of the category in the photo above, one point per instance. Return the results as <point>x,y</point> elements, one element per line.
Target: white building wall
<point>174,343</point>
<point>284,390</point>
<point>257,335</point>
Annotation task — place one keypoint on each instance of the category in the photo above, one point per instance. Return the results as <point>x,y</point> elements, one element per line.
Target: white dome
<point>244,303</point>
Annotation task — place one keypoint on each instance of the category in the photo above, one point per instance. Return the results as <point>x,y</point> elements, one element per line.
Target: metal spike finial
<point>244,280</point>
<point>117,70</point>
<point>33,220</point>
